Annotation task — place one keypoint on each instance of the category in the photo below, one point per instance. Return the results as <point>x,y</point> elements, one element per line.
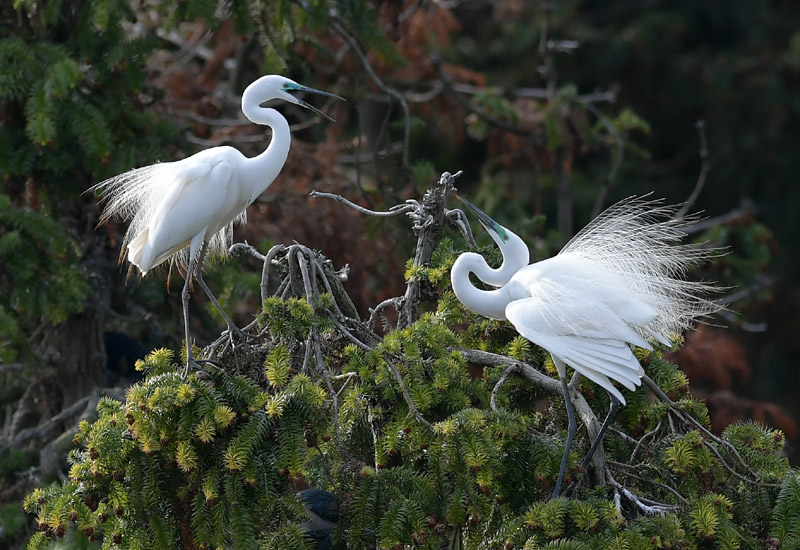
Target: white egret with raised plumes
<point>616,284</point>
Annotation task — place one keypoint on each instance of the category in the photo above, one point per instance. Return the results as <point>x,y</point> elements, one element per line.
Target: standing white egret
<point>616,283</point>
<point>181,210</point>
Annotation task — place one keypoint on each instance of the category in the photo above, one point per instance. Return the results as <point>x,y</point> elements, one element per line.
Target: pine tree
<point>404,431</point>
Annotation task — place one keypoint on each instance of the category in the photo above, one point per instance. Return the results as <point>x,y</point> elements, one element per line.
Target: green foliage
<point>277,366</point>
<point>70,83</point>
<point>785,524</point>
<point>196,448</point>
<point>214,459</point>
<point>12,518</point>
<point>39,278</point>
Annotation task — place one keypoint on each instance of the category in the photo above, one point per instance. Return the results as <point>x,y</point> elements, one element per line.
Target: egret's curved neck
<point>489,303</point>
<point>262,169</point>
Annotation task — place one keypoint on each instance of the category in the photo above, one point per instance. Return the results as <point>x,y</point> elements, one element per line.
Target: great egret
<point>181,210</point>
<point>616,283</point>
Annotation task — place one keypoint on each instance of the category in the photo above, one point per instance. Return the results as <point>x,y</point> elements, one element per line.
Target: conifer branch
<point>629,471</point>
<point>688,419</point>
<point>549,385</point>
<point>411,407</point>
<point>654,508</point>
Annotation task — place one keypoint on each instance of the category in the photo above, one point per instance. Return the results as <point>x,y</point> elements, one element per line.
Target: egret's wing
<point>570,319</point>
<point>638,240</point>
<point>581,300</point>
<point>193,205</point>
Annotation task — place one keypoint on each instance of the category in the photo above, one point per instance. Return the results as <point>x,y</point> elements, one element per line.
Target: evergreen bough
<point>402,429</point>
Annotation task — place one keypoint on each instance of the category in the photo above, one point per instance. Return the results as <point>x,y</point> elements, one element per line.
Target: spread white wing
<point>583,317</point>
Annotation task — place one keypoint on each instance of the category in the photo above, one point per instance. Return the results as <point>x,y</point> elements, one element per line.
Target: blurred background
<point>553,110</point>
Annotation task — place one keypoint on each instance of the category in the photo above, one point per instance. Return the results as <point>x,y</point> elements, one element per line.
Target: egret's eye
<point>285,85</point>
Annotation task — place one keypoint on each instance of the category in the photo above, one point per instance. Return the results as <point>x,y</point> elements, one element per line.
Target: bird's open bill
<point>301,88</point>
<point>488,223</point>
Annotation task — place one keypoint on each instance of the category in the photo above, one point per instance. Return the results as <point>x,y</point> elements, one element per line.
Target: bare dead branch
<point>428,224</point>
<point>395,211</point>
<point>268,259</point>
<point>648,509</point>
<point>701,179</point>
<point>340,28</point>
<point>498,385</point>
<point>611,177</point>
<point>628,470</point>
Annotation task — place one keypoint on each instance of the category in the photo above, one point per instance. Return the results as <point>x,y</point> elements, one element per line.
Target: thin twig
<point>339,27</point>
<point>627,471</point>
<point>374,312</point>
<point>621,434</point>
<point>403,209</point>
<point>498,385</point>
<point>301,261</point>
<point>645,436</point>
<point>274,251</point>
<point>372,421</point>
<point>411,407</point>
<point>334,396</point>
<point>459,219</point>
<point>655,509</point>
<point>701,179</point>
<point>321,273</point>
<point>611,177</point>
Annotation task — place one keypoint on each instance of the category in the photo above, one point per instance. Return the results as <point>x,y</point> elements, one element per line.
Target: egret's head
<point>500,234</point>
<point>279,87</point>
<point>515,252</point>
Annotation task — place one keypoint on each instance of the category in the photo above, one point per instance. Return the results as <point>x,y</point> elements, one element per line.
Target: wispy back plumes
<point>135,196</point>
<point>635,240</point>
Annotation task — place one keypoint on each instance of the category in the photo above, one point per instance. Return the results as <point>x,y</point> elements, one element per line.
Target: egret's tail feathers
<point>136,250</point>
<point>602,380</point>
<point>623,370</point>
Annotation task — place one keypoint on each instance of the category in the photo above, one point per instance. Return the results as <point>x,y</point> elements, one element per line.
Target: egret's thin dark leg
<point>573,426</point>
<point>612,412</point>
<point>232,328</point>
<point>186,296</point>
